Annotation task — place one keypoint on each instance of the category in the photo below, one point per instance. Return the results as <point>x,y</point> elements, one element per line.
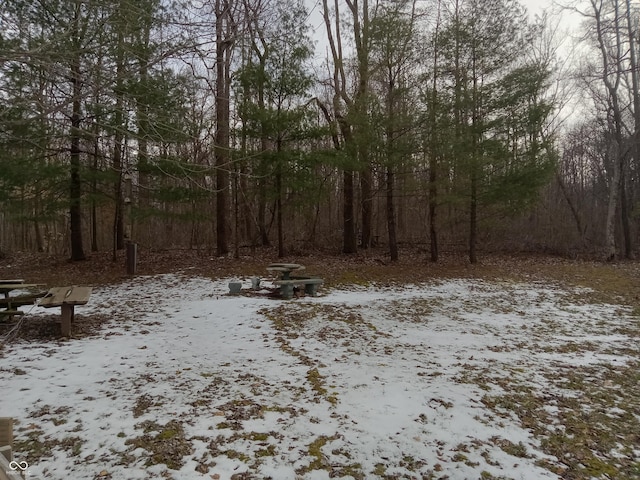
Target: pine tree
<point>495,106</point>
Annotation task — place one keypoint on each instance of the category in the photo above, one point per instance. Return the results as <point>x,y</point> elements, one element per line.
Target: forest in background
<point>226,125</point>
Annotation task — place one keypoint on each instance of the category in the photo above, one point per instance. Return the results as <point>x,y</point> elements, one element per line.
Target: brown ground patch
<point>47,327</point>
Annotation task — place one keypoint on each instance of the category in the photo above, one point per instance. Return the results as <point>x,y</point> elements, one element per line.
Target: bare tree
<point>607,85</point>
<point>225,33</point>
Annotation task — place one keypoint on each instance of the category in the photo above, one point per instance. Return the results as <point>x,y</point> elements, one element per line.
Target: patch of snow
<point>409,377</point>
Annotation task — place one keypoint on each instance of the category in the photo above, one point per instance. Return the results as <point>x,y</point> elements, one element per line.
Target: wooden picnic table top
<point>12,280</point>
<point>284,267</point>
<point>59,296</point>
<point>7,287</point>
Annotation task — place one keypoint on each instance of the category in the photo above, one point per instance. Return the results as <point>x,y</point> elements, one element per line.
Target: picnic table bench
<point>66,298</point>
<point>9,303</point>
<point>287,282</point>
<point>311,285</point>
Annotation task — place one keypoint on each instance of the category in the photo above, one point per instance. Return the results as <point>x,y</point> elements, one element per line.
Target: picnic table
<point>287,282</point>
<point>66,298</point>
<point>9,303</point>
<point>284,269</point>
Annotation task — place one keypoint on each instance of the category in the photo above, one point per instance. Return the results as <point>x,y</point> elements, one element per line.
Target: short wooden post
<point>132,258</point>
<point>6,435</point>
<point>67,318</point>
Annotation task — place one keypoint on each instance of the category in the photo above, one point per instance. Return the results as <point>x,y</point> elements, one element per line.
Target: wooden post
<point>132,258</point>
<point>67,318</point>
<point>6,434</point>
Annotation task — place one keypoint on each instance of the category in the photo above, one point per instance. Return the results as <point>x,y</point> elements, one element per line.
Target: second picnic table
<point>287,282</point>
<point>9,304</point>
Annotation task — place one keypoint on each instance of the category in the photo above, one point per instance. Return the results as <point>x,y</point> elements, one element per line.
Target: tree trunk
<point>262,214</point>
<point>391,215</point>
<point>222,137</point>
<point>473,216</point>
<point>475,169</point>
<point>350,244</point>
<point>433,157</point>
<point>635,83</point>
<point>75,185</point>
<point>279,213</point>
<point>624,213</point>
<point>612,202</point>
<point>572,207</point>
<point>616,155</point>
<point>142,106</point>
<point>94,190</point>
<point>433,198</point>
<point>367,205</point>
<point>118,223</point>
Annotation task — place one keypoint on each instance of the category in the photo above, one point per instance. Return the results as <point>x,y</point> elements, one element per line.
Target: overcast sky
<point>533,6</point>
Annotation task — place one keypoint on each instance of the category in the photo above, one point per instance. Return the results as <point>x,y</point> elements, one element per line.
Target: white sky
<point>535,7</point>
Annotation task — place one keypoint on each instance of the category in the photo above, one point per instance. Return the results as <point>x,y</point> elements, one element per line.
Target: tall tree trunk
<point>75,185</point>
<point>391,158</point>
<point>474,157</point>
<point>264,147</point>
<point>635,83</point>
<point>94,192</point>
<point>222,137</point>
<point>433,156</point>
<point>361,125</point>
<point>616,154</point>
<point>118,223</point>
<point>142,107</point>
<point>349,237</point>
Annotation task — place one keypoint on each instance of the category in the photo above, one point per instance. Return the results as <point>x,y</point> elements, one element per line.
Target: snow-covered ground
<point>187,382</point>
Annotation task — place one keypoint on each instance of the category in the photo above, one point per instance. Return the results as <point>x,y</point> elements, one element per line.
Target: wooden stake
<point>67,318</point>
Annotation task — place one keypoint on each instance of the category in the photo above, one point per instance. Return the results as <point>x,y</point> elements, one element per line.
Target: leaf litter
<point>448,379</point>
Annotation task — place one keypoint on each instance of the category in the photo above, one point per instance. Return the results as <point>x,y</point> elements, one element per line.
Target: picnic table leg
<point>67,318</point>
<point>286,291</point>
<point>311,289</point>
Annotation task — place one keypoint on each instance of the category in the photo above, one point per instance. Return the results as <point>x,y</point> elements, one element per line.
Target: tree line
<point>233,124</point>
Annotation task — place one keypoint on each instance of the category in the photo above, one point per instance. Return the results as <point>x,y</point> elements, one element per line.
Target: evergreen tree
<point>496,108</point>
<point>275,106</point>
